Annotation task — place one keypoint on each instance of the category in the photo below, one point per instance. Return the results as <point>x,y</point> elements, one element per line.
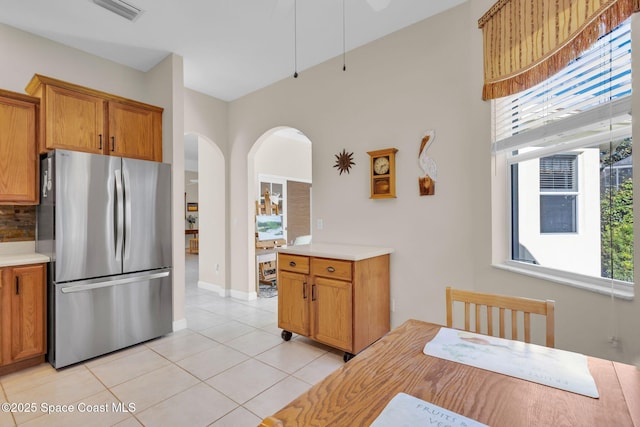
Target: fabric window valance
<point>527,41</point>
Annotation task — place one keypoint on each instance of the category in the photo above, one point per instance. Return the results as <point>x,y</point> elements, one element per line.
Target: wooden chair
<point>194,246</point>
<point>501,303</point>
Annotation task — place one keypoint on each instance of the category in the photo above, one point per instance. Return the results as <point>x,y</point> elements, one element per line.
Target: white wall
<point>206,120</point>
<point>393,90</point>
<point>23,54</point>
<point>584,320</point>
<point>391,93</point>
<point>428,76</point>
<point>577,252</point>
<point>286,157</point>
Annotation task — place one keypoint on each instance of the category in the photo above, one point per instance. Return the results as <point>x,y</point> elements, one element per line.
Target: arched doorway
<point>204,195</point>
<point>281,162</point>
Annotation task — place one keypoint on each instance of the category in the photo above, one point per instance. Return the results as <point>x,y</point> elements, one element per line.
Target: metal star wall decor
<point>344,161</point>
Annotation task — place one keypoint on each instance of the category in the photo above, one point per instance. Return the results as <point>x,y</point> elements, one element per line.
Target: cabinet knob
<point>292,264</point>
<point>331,269</point>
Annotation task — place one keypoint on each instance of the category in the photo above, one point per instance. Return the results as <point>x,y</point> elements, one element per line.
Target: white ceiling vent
<point>124,9</point>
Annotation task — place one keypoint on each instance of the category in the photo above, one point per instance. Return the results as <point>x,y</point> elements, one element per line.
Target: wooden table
<point>355,394</point>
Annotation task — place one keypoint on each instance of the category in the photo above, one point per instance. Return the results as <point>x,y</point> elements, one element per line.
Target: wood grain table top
<point>355,394</point>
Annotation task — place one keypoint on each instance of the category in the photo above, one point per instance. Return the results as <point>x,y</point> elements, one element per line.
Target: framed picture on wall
<point>192,207</point>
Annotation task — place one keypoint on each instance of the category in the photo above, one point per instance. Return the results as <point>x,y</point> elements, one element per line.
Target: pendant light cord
<point>295,39</point>
<point>344,43</point>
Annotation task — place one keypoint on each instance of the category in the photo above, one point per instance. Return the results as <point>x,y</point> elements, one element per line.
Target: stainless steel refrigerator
<point>106,224</point>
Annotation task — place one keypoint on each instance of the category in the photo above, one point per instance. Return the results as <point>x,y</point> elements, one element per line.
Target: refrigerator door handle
<point>119,215</point>
<point>127,213</point>
<point>110,283</point>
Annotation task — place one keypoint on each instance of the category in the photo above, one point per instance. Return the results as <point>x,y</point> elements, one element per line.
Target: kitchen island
<point>334,294</point>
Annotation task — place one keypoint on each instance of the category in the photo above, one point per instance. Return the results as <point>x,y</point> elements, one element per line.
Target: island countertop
<point>336,251</point>
<point>20,253</point>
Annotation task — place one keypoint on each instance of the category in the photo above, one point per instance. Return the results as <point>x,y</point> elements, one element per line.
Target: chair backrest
<point>302,240</point>
<point>501,303</point>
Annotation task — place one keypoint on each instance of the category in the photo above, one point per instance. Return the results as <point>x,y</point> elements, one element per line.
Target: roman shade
<point>527,41</point>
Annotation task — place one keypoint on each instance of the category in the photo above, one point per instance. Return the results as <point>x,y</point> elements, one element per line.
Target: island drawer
<point>334,268</point>
<point>294,263</point>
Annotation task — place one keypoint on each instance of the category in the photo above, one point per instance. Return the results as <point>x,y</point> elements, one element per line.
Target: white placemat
<point>409,411</point>
<point>549,366</point>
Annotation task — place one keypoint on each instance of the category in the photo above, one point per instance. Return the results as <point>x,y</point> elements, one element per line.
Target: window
<point>568,149</point>
<point>558,192</point>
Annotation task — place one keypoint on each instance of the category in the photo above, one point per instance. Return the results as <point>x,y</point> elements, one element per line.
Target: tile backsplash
<point>17,223</point>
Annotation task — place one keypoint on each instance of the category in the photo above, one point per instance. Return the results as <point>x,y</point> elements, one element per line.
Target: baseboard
<point>179,325</point>
<point>244,296</point>
<point>225,293</point>
<point>221,291</point>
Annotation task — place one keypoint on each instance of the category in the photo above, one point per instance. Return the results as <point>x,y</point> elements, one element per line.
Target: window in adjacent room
<point>558,193</point>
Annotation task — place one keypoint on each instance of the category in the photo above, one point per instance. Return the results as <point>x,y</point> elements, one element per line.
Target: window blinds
<point>580,100</point>
<point>558,173</point>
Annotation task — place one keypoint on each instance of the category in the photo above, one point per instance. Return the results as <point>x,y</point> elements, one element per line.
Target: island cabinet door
<point>293,302</point>
<point>27,291</point>
<point>332,313</point>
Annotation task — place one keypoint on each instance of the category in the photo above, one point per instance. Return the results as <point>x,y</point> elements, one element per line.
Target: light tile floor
<point>229,368</point>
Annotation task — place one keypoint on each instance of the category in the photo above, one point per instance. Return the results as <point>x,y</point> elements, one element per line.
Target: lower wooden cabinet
<point>23,316</point>
<point>344,304</point>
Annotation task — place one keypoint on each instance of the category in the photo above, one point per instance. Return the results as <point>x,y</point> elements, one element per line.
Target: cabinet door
<point>18,152</point>
<point>332,312</point>
<point>135,132</point>
<point>27,296</point>
<point>74,120</point>
<point>293,302</point>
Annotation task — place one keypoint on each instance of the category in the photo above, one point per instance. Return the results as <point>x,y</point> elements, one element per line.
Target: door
<point>147,211</point>
<point>73,120</point>
<point>18,151</point>
<point>293,302</point>
<point>134,132</point>
<point>27,286</point>
<point>332,312</point>
<point>86,224</point>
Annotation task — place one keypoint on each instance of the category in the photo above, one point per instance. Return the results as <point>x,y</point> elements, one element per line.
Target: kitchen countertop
<point>20,253</point>
<point>336,251</point>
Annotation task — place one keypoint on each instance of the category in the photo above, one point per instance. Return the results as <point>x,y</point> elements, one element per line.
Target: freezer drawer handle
<point>80,288</point>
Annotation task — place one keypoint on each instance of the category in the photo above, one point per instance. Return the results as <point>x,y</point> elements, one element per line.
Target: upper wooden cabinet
<point>18,149</point>
<point>78,118</point>
<point>134,131</point>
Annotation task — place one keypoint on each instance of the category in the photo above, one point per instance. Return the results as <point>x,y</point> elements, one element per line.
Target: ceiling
<point>230,47</point>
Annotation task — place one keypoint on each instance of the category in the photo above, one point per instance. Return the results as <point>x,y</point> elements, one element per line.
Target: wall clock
<point>383,173</point>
